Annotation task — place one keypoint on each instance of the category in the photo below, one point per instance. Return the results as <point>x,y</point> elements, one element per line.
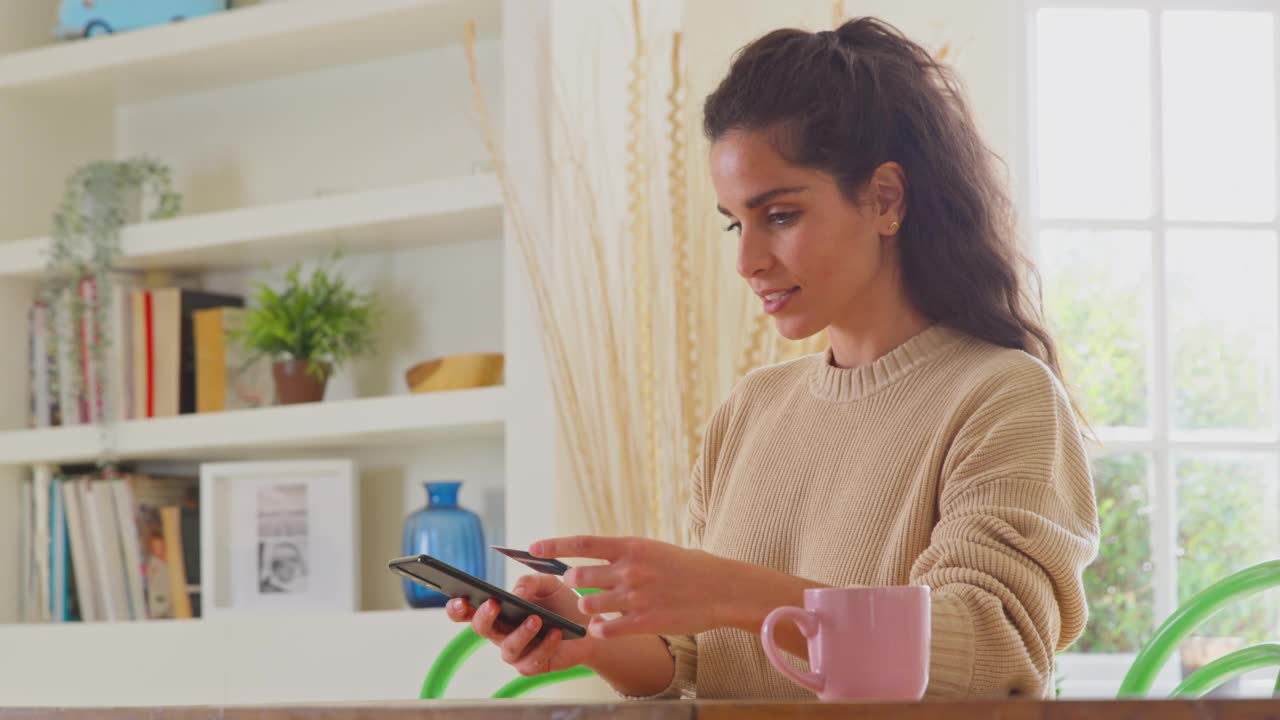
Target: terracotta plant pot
<point>295,385</point>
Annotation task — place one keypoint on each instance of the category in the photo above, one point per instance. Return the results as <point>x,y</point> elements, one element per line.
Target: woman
<point>932,443</point>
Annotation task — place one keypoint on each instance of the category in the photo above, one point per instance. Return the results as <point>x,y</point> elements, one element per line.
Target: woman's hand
<point>519,647</point>
<point>666,589</point>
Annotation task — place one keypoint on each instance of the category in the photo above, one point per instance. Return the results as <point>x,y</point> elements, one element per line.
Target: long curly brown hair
<point>845,102</point>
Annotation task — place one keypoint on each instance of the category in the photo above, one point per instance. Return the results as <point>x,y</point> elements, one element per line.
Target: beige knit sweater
<point>949,462</point>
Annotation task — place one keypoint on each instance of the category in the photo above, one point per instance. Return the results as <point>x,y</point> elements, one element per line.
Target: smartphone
<point>452,582</point>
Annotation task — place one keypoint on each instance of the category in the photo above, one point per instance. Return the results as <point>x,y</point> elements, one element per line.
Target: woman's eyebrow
<point>765,197</point>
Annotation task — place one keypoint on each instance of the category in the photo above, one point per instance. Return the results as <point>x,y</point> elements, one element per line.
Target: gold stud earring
<point>893,227</point>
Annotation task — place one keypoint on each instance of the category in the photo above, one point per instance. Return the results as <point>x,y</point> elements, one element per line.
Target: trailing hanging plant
<point>320,321</point>
<point>95,205</point>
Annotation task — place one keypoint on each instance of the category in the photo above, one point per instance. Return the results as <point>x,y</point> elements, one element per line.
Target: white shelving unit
<point>293,128</point>
<point>364,422</point>
<point>372,220</point>
<point>243,46</point>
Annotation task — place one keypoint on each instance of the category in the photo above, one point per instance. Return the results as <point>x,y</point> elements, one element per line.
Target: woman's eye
<point>782,218</point>
<point>734,227</point>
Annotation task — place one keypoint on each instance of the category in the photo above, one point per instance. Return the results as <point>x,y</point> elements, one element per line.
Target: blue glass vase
<point>445,532</point>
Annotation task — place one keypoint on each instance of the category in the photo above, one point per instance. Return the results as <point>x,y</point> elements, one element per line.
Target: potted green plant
<point>311,327</point>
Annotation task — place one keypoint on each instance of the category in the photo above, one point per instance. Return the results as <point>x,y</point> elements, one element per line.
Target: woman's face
<point>812,256</point>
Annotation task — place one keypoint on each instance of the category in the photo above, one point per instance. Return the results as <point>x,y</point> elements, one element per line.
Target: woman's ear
<point>888,190</point>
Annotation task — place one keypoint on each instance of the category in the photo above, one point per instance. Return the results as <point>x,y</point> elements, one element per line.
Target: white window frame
<point>1093,675</point>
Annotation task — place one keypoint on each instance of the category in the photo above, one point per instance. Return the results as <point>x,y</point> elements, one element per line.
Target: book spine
<point>211,388</point>
<point>33,370</point>
<point>26,551</point>
<point>58,551</point>
<point>190,515</point>
<point>113,562</point>
<point>65,341</point>
<point>86,351</point>
<point>121,391</point>
<point>128,528</point>
<point>40,491</point>
<point>41,366</point>
<point>81,562</point>
<point>91,351</point>
<point>150,350</point>
<point>97,547</point>
<point>138,354</point>
<point>171,519</point>
<point>49,380</point>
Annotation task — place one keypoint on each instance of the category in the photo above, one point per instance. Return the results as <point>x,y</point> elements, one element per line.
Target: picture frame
<point>279,536</point>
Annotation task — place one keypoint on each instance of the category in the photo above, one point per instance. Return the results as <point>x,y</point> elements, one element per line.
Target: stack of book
<point>108,547</point>
<point>163,352</point>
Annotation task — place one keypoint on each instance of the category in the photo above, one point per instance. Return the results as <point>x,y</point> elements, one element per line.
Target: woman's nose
<point>754,256</point>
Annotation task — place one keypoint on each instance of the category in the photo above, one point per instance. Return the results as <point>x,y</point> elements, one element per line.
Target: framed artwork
<point>279,536</point>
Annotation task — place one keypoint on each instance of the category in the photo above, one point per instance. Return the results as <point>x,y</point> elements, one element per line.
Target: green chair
<point>465,645</point>
<point>1158,650</point>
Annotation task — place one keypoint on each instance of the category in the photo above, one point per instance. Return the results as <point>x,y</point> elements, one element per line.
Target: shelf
<point>238,659</point>
<point>461,208</point>
<point>241,45</point>
<point>392,420</point>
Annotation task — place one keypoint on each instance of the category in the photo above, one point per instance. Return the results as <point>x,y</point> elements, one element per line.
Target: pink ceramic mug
<point>865,643</point>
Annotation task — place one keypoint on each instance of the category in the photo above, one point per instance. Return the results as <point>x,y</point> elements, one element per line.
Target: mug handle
<point>808,624</point>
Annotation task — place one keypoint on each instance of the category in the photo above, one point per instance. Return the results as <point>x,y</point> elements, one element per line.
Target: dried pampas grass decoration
<point>638,358</point>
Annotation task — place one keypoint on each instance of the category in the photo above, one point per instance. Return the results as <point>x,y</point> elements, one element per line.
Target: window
<point>1152,190</point>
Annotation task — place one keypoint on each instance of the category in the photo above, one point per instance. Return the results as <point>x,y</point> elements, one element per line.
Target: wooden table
<point>704,710</point>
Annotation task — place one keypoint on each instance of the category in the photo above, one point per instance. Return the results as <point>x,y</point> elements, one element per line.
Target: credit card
<point>549,566</point>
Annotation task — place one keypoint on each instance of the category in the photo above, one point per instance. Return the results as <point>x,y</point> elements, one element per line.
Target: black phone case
<point>449,580</point>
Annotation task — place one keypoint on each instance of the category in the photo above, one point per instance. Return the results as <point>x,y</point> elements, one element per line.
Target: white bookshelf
<point>450,209</point>
<point>294,128</point>
<point>395,420</point>
<point>248,44</point>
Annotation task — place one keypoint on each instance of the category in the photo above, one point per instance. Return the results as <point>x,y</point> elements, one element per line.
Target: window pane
<point>1219,116</point>
<point>1119,583</point>
<point>1093,122</point>
<point>1222,324</point>
<point>1226,522</point>
<point>1087,276</point>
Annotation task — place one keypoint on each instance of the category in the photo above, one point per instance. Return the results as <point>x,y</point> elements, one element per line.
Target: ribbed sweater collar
<point>845,384</point>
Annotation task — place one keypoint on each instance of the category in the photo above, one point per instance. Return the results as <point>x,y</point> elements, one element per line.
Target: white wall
<point>375,124</point>
<point>984,35</point>
<point>985,40</point>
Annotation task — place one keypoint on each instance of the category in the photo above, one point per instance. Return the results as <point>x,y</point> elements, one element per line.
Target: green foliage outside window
<point>1227,506</point>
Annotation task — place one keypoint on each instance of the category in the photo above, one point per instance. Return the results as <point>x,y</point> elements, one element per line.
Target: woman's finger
<point>518,640</point>
<point>604,602</point>
<point>536,587</point>
<point>633,624</point>
<point>459,610</point>
<point>538,660</point>
<point>600,577</point>
<point>484,620</point>
<point>581,546</point>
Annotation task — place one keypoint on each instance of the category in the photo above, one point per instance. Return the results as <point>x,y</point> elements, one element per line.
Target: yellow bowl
<point>456,372</point>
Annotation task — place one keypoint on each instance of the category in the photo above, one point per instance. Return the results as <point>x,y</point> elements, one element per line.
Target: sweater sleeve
<point>684,648</point>
<point>1017,524</point>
